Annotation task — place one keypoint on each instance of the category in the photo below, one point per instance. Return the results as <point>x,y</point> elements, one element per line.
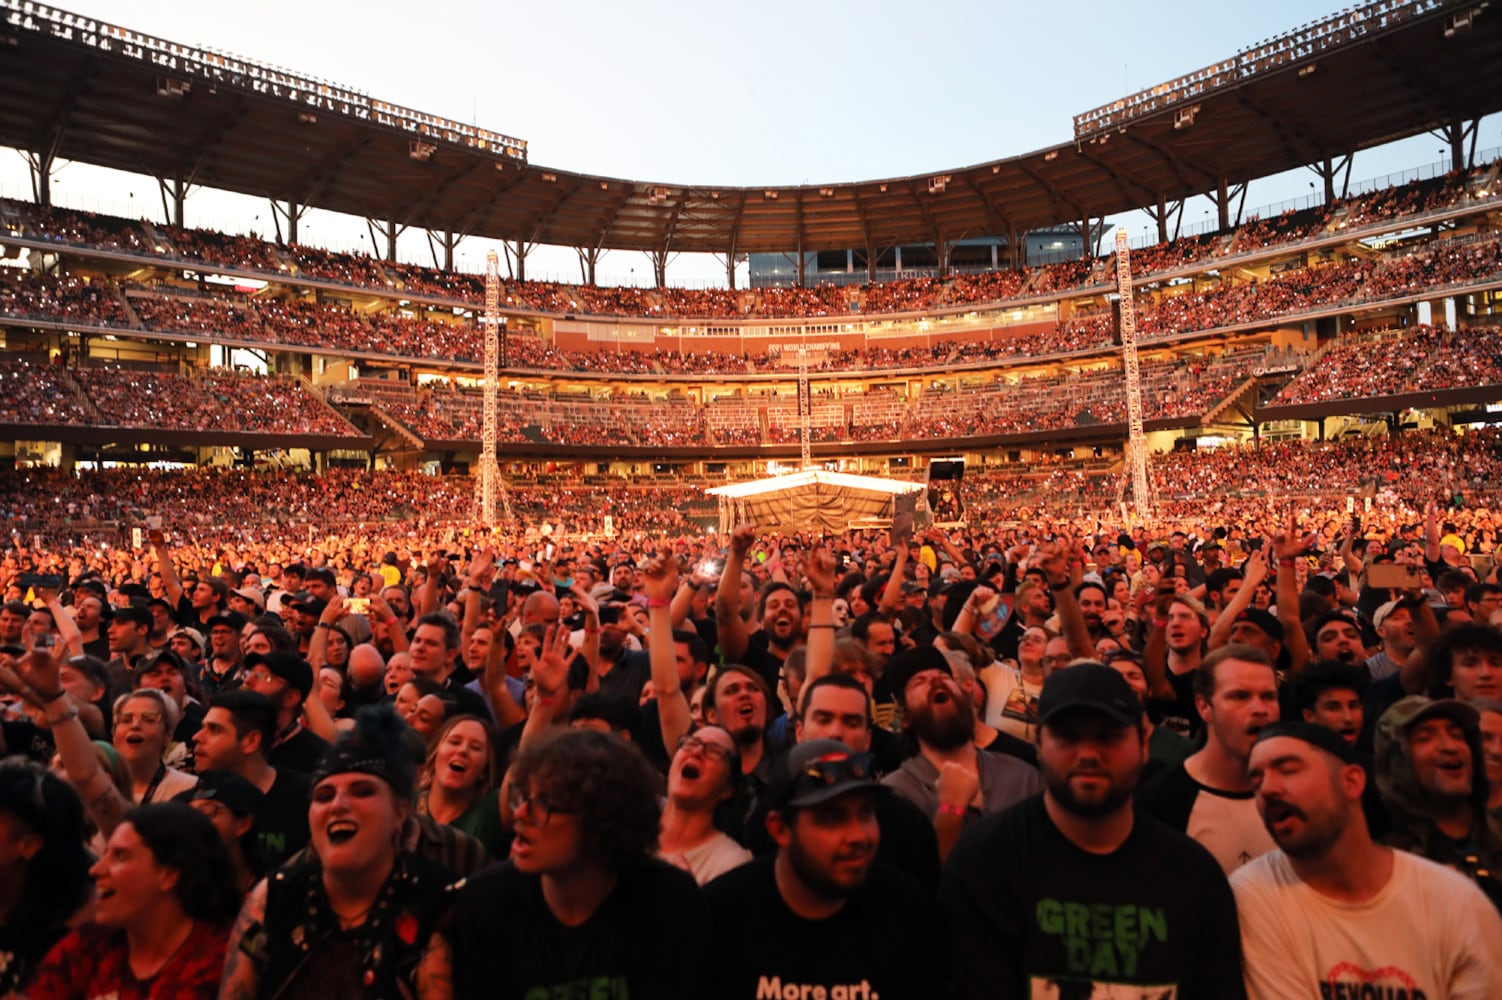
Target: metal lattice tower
<point>805,405</point>
<point>491,488</point>
<point>1136,449</point>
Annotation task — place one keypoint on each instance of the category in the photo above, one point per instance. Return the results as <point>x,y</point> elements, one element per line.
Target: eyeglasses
<point>144,718</point>
<point>832,769</point>
<point>1121,654</point>
<point>538,808</point>
<point>708,749</point>
<point>1059,659</point>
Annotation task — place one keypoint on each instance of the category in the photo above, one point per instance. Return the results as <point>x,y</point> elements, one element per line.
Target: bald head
<point>540,608</point>
<point>366,666</point>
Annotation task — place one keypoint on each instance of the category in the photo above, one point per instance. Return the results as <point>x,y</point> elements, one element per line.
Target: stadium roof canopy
<point>75,88</point>
<point>813,499</point>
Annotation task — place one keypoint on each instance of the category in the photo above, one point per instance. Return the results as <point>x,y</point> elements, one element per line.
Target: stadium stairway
<point>1245,394</point>
<point>65,377</point>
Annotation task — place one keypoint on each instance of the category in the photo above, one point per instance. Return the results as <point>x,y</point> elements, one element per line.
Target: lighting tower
<point>1136,450</point>
<point>491,486</point>
<point>805,404</point>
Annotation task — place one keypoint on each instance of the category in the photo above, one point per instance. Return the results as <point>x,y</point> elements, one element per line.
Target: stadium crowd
<point>637,757</point>
<point>211,400</point>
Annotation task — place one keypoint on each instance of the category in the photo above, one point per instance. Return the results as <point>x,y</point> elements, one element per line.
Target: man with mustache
<point>1072,892</point>
<point>1332,913</point>
<point>949,779</point>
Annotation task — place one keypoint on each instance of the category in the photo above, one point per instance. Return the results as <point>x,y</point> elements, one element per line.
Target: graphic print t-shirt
<point>1429,933</point>
<point>1029,914</point>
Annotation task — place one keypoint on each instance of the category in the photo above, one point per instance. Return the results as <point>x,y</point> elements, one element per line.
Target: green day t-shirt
<point>1029,914</point>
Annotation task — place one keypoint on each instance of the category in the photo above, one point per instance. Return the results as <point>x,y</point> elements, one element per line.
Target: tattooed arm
<point>435,973</point>
<point>243,957</point>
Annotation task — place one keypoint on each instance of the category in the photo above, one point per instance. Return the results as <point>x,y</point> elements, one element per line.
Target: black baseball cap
<point>230,619</point>
<point>288,666</point>
<point>820,770</point>
<point>237,794</point>
<point>1263,620</point>
<point>906,665</point>
<point>133,613</point>
<point>1322,737</point>
<point>1089,687</point>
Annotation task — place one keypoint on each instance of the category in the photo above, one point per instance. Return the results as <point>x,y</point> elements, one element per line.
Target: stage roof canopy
<point>811,500</point>
<point>81,89</point>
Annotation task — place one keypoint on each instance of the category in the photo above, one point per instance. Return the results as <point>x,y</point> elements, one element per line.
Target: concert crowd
<point>272,734</point>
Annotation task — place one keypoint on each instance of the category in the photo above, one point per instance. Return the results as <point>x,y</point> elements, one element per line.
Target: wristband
<point>323,625</point>
<point>50,698</point>
<point>658,602</point>
<point>951,809</point>
<point>824,625</point>
<point>1160,623</point>
<point>392,620</point>
<point>592,631</point>
<point>1285,562</point>
<point>49,721</point>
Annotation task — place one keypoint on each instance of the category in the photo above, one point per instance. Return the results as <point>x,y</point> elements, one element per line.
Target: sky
<point>774,93</point>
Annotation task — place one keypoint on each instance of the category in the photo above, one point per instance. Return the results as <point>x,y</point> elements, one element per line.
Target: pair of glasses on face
<point>832,770</point>
<point>539,810</point>
<point>705,747</point>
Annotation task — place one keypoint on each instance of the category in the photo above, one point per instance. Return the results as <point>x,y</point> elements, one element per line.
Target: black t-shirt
<point>1179,714</point>
<point>632,670</point>
<point>1006,743</point>
<point>759,657</point>
<point>1028,911</point>
<point>883,942</point>
<point>301,752</point>
<point>646,940</point>
<point>469,702</point>
<point>908,842</point>
<point>282,820</point>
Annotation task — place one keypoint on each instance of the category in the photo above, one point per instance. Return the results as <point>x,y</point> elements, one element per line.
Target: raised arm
<point>661,580</point>
<point>1253,572</point>
<point>734,637</point>
<point>481,569</point>
<point>1062,564</point>
<point>891,595</point>
<point>818,570</point>
<point>38,672</point>
<point>67,628</point>
<point>171,583</point>
<point>1155,651</point>
<point>1289,547</point>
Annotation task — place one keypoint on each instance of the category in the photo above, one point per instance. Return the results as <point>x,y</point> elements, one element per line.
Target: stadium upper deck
<point>80,89</point>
